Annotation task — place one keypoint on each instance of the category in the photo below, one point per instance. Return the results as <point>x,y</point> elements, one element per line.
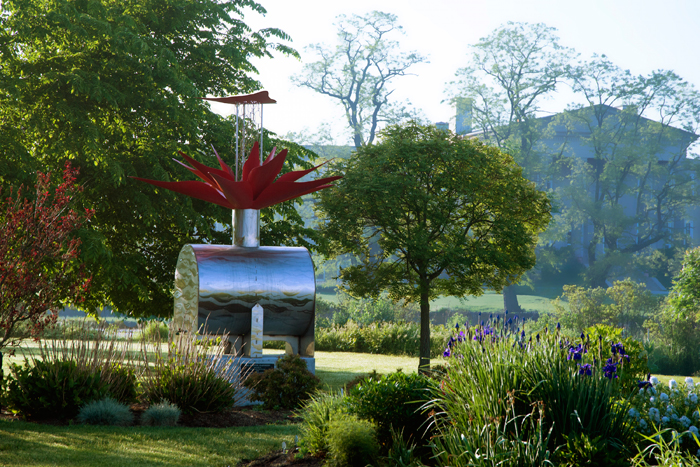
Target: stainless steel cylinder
<point>222,283</point>
<point>246,228</point>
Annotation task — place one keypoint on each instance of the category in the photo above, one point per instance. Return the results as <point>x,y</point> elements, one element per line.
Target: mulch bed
<point>280,459</point>
<point>237,416</point>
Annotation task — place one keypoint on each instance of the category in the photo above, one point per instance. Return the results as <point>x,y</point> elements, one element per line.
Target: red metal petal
<point>206,170</point>
<point>263,176</point>
<point>239,194</point>
<point>252,162</point>
<point>297,174</point>
<point>284,191</point>
<point>223,165</point>
<point>199,190</point>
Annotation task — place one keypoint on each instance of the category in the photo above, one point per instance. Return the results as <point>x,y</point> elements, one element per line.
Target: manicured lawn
<point>28,444</point>
<point>487,303</point>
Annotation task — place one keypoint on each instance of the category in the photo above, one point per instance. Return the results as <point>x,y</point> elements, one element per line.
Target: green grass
<point>337,368</point>
<point>486,303</point>
<point>28,444</point>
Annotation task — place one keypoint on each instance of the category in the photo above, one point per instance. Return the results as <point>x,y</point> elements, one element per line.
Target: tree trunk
<point>510,300</point>
<point>424,361</point>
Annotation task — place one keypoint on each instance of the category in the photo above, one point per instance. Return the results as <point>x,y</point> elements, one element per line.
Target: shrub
<point>316,414</point>
<point>195,377</point>
<point>659,411</point>
<point>161,414</point>
<point>394,400</point>
<point>399,338</point>
<point>52,389</point>
<point>106,411</point>
<point>66,374</point>
<point>155,331</point>
<point>284,387</point>
<point>351,443</point>
<point>122,383</point>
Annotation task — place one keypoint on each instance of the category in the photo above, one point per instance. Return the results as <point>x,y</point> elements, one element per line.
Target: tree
<point>113,86</point>
<point>637,179</point>
<point>429,214</point>
<point>511,72</point>
<point>678,324</point>
<point>359,69</point>
<point>38,251</point>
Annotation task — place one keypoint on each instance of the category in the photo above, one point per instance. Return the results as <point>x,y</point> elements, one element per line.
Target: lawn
<point>486,303</point>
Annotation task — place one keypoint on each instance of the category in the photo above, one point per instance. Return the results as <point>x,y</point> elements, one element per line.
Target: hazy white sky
<point>639,35</point>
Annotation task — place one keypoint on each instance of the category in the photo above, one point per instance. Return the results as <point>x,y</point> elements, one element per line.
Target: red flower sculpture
<point>257,188</point>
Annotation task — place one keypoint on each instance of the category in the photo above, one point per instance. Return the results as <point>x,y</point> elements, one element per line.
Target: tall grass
<point>194,375</point>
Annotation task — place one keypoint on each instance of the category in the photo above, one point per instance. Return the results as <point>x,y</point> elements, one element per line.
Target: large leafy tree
<point>511,72</point>
<point>359,70</point>
<point>637,179</point>
<point>430,213</point>
<point>623,196</point>
<point>113,86</point>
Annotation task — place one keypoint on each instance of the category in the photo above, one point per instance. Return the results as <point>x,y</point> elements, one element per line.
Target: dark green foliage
<point>351,443</point>
<point>122,384</point>
<point>192,390</point>
<point>401,453</point>
<point>398,338</point>
<point>52,389</point>
<point>677,327</point>
<point>393,401</point>
<point>161,414</point>
<point>316,414</point>
<point>630,373</point>
<point>114,87</point>
<point>106,411</point>
<point>498,396</point>
<point>582,450</point>
<point>425,210</point>
<point>155,330</point>
<point>284,387</point>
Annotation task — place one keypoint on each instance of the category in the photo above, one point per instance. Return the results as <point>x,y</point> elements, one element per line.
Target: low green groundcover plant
<point>286,386</point>
<point>352,442</point>
<point>316,414</point>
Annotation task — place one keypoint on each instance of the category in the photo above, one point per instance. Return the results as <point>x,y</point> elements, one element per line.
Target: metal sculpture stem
<point>246,227</point>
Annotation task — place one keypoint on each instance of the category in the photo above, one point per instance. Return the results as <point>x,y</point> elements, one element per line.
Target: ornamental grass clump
<point>316,414</point>
<point>161,414</point>
<point>506,388</point>
<point>195,377</point>
<point>106,411</point>
<point>69,372</point>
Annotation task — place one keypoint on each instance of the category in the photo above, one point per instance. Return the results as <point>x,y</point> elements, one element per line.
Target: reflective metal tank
<point>220,284</point>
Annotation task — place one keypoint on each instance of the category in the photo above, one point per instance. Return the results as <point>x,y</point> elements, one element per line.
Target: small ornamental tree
<point>38,251</point>
<point>429,213</point>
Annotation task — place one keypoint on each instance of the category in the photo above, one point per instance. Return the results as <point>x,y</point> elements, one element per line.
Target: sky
<point>639,35</point>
